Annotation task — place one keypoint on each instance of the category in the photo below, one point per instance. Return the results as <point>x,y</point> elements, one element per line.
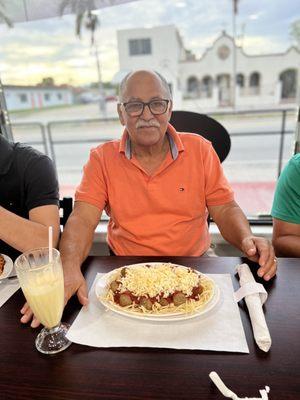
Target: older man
<point>28,201</point>
<point>158,186</point>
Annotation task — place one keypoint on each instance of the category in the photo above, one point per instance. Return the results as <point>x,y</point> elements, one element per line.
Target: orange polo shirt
<point>162,214</point>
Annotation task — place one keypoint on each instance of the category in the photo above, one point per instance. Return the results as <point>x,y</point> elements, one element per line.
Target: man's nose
<point>147,114</point>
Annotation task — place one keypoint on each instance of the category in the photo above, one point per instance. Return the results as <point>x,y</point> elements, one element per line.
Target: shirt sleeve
<point>93,187</point>
<point>286,203</point>
<point>41,185</point>
<point>217,188</point>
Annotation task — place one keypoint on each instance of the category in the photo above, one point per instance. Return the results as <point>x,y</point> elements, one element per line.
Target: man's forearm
<point>21,233</point>
<point>287,246</point>
<point>76,241</point>
<point>233,225</point>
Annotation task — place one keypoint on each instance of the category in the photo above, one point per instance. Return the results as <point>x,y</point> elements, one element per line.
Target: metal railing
<point>48,142</point>
<point>42,131</point>
<point>52,142</point>
<point>282,132</point>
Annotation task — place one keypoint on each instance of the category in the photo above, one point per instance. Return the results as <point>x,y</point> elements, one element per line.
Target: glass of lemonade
<point>42,282</point>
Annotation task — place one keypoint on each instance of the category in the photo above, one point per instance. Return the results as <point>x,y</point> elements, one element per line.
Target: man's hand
<point>28,315</point>
<point>75,283</point>
<point>260,250</point>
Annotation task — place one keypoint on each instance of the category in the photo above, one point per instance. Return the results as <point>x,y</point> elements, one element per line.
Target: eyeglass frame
<point>144,105</point>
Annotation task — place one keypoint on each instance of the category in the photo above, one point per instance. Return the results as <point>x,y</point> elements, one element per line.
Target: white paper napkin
<point>7,288</point>
<point>220,330</point>
<point>255,296</point>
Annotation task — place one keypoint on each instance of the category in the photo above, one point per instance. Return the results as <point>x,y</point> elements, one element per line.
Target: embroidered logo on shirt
<point>181,189</point>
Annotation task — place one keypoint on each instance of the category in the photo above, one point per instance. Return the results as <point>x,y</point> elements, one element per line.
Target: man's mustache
<point>144,124</point>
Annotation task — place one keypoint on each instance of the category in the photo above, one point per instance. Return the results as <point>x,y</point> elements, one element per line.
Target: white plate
<point>101,287</point>
<point>8,266</point>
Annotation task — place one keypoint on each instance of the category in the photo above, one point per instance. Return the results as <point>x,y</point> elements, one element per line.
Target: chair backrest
<point>209,128</point>
<point>66,205</point>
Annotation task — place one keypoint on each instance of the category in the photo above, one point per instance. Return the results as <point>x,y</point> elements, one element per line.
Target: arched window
<point>207,86</point>
<point>288,80</point>
<point>192,85</point>
<point>254,79</point>
<point>240,80</point>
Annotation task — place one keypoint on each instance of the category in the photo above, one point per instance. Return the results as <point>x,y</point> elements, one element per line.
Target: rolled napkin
<point>255,296</point>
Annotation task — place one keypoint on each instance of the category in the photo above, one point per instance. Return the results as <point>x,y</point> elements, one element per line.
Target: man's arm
<point>286,238</point>
<point>75,244</point>
<point>24,234</point>
<point>235,228</point>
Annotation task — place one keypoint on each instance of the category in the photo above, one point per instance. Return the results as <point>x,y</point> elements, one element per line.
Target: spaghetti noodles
<point>156,289</point>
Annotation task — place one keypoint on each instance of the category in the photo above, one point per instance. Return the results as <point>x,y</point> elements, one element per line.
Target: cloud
<point>32,50</point>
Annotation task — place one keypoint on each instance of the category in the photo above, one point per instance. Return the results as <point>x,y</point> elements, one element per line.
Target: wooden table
<point>90,373</point>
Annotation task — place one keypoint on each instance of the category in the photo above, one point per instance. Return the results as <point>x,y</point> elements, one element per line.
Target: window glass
<point>139,47</point>
<point>61,88</point>
<point>23,98</point>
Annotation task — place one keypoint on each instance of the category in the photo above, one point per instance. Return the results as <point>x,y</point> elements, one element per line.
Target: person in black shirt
<point>28,201</point>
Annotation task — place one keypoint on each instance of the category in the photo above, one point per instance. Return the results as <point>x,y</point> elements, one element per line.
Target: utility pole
<point>102,101</point>
<point>234,12</point>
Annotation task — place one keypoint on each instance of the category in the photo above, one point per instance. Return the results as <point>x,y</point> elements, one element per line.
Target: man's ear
<point>120,114</point>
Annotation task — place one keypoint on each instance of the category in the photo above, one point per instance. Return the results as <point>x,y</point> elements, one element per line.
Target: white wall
<point>36,98</point>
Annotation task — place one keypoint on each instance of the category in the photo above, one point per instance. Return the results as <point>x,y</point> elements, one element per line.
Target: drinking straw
<point>50,239</point>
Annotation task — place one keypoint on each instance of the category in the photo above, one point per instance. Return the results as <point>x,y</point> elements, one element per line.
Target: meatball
<point>145,302</point>
<point>163,302</point>
<point>114,286</point>
<point>197,290</point>
<point>125,300</point>
<point>179,298</point>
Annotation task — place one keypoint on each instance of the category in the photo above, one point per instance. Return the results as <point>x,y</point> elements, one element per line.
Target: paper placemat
<point>7,288</point>
<point>221,330</point>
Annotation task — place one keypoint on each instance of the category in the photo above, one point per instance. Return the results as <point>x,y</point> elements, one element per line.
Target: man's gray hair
<point>163,80</point>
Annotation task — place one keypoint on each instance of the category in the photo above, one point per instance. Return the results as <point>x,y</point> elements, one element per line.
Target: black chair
<point>66,205</point>
<point>209,128</point>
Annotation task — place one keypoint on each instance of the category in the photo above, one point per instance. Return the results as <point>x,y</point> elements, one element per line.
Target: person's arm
<point>25,234</point>
<point>235,228</point>
<point>286,238</point>
<point>75,244</point>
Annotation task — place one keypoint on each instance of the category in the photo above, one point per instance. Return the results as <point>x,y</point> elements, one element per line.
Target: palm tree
<point>83,10</point>
<point>3,16</point>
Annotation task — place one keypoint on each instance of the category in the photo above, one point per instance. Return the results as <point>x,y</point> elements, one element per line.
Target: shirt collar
<point>176,145</point>
<point>6,154</point>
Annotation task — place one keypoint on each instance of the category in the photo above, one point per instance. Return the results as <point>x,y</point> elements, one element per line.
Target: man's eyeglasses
<point>136,108</point>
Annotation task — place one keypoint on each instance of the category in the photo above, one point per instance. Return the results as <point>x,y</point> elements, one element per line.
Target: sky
<point>32,50</point>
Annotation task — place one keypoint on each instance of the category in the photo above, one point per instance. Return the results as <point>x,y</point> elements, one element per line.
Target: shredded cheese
<point>162,279</point>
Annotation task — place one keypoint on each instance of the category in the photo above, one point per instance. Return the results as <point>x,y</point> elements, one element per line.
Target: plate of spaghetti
<point>157,291</point>
<point>6,266</point>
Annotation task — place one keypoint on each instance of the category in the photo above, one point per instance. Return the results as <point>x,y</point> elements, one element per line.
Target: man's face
<point>147,129</point>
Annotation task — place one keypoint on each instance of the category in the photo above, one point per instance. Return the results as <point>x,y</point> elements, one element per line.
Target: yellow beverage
<point>41,278</point>
<point>44,292</point>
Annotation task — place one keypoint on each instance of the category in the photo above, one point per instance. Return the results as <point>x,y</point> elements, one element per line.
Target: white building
<point>31,97</point>
<point>262,81</point>
<point>159,49</point>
